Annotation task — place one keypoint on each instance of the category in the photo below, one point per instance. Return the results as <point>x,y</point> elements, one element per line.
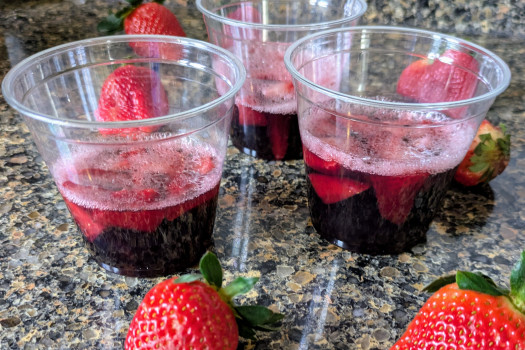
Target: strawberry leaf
<point>517,283</point>
<point>211,269</point>
<point>134,3</point>
<point>110,24</point>
<point>187,278</point>
<point>478,282</point>
<point>440,282</point>
<point>245,330</point>
<point>258,315</point>
<point>240,285</point>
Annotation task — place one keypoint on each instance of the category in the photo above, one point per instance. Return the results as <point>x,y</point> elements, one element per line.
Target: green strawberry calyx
<point>250,318</point>
<point>479,282</point>
<point>114,22</point>
<point>489,153</point>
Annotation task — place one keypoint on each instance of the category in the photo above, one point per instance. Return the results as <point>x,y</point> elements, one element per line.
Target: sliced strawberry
<point>205,165</point>
<point>333,189</point>
<point>249,116</point>
<point>147,195</point>
<point>131,93</point>
<point>317,163</point>
<point>395,195</point>
<point>277,89</point>
<point>87,225</point>
<point>452,77</point>
<point>278,130</point>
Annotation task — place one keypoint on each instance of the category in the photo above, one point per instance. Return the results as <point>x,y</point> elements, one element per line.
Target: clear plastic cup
<point>382,143</point>
<point>143,192</point>
<point>264,124</point>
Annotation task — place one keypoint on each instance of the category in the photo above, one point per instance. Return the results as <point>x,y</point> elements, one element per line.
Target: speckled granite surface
<point>53,296</point>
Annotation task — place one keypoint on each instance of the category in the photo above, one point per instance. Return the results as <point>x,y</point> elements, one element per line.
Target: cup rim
<point>280,27</point>
<point>398,105</point>
<point>32,60</point>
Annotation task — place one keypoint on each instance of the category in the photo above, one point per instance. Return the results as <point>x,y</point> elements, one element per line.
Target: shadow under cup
<point>143,192</point>
<point>258,32</point>
<point>386,115</point>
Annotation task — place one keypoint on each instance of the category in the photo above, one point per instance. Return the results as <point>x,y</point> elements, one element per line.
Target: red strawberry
<point>440,80</point>
<point>313,161</point>
<point>131,93</point>
<point>487,156</point>
<point>249,116</point>
<point>147,18</point>
<point>469,312</point>
<point>395,195</point>
<point>278,130</point>
<point>88,226</point>
<point>185,313</point>
<point>334,189</point>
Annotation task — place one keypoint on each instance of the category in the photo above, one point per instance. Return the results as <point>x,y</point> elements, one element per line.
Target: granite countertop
<point>53,296</point>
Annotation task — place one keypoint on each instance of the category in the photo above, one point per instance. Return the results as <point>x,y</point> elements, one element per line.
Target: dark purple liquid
<point>279,139</point>
<point>171,247</point>
<point>357,224</point>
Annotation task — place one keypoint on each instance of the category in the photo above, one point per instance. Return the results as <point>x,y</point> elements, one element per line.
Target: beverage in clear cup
<point>265,124</point>
<point>135,141</point>
<point>381,146</point>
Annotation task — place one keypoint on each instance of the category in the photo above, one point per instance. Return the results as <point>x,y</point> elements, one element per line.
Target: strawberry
<point>395,195</point>
<point>321,165</point>
<point>145,18</point>
<point>487,156</point>
<point>278,130</point>
<point>440,80</point>
<point>249,116</point>
<point>186,313</point>
<point>89,227</point>
<point>333,189</point>
<point>131,93</point>
<point>469,312</point>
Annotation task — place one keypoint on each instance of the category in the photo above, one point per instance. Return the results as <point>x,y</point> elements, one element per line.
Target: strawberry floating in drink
<point>487,157</point>
<point>187,313</point>
<point>468,311</point>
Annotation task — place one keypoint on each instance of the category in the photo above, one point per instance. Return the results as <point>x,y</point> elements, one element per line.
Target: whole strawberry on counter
<point>487,157</point>
<point>186,313</point>
<point>144,18</point>
<point>468,311</point>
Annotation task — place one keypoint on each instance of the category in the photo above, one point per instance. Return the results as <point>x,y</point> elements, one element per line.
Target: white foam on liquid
<point>160,156</point>
<point>392,151</point>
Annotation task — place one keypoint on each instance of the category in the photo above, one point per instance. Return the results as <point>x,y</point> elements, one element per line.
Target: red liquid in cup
<point>375,189</point>
<point>273,137</point>
<point>144,211</point>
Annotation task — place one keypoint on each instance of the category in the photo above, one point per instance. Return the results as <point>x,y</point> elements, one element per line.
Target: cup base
<point>148,273</point>
<point>375,249</point>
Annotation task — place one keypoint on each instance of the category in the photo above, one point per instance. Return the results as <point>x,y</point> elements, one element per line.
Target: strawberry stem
<point>250,318</point>
<point>517,284</point>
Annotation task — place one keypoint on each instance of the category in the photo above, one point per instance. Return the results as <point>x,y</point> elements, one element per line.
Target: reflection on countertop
<point>53,296</point>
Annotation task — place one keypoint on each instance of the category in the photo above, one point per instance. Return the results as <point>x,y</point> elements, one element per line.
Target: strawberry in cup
<point>382,146</point>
